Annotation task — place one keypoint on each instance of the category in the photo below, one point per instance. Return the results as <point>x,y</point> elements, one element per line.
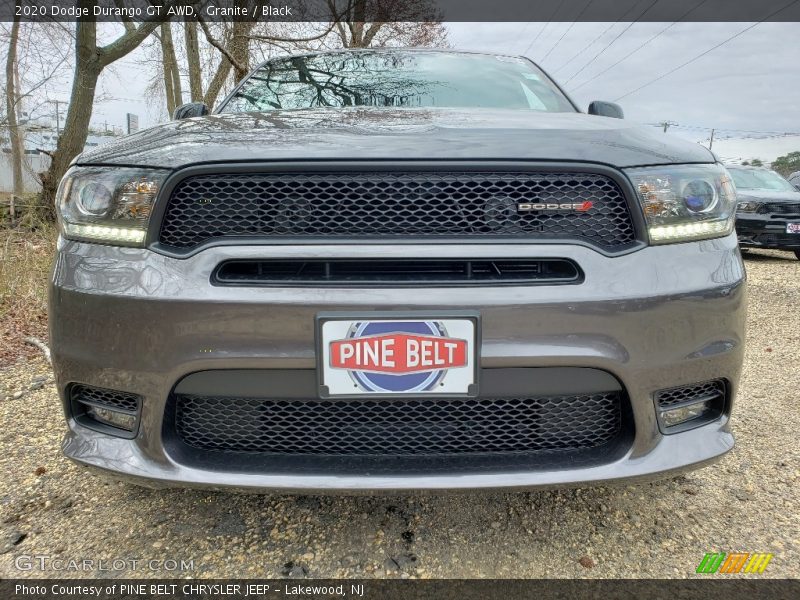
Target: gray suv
<point>397,270</point>
<point>768,209</point>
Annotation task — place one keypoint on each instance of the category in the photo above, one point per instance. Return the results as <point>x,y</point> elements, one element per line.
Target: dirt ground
<point>747,502</point>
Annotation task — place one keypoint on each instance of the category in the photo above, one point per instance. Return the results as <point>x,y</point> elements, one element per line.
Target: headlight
<point>687,202</point>
<point>748,207</point>
<point>107,204</point>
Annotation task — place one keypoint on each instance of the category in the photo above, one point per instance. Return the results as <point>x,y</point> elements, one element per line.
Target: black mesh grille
<point>780,208</point>
<point>778,239</point>
<point>104,397</point>
<point>397,204</point>
<point>398,427</point>
<point>709,390</point>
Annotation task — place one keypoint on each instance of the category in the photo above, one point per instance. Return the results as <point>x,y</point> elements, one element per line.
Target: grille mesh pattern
<point>379,204</point>
<point>778,239</point>
<point>398,427</point>
<point>780,208</point>
<point>709,390</point>
<point>104,397</point>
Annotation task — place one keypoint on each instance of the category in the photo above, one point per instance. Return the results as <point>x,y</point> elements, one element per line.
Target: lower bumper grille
<point>709,390</point>
<point>399,427</point>
<point>110,411</point>
<point>777,239</point>
<point>105,398</point>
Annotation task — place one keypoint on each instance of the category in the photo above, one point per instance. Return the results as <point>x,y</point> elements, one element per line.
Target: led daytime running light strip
<point>688,230</point>
<point>105,232</point>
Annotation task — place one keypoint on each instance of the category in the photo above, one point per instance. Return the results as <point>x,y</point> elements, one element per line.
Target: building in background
<point>41,137</point>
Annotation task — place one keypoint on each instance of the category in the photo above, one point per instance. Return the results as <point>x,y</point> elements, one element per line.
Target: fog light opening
<point>109,411</point>
<point>689,406</point>
<point>113,418</point>
<point>683,414</point>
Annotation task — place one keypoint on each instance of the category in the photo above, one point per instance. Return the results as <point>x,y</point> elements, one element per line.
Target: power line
<point>702,54</point>
<point>519,35</point>
<point>627,56</point>
<point>571,25</point>
<point>729,130</point>
<point>587,46</point>
<point>595,40</point>
<point>58,115</point>
<point>543,28</point>
<point>728,134</point>
<point>621,33</point>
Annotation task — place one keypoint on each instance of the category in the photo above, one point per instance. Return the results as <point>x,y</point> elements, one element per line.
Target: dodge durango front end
<point>397,270</point>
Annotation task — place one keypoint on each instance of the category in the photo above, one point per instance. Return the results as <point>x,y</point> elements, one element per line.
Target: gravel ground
<point>746,502</point>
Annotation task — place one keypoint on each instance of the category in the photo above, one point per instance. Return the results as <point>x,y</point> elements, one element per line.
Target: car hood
<point>397,134</point>
<point>767,196</point>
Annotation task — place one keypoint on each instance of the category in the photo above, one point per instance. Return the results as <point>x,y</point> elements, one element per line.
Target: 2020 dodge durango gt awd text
<point>397,270</point>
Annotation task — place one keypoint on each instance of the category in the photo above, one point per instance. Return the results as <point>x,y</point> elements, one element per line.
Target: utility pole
<point>58,117</point>
<point>711,141</point>
<point>666,125</point>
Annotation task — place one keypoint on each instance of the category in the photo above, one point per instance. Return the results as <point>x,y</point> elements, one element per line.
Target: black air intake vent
<point>105,398</point>
<point>506,271</point>
<point>708,390</point>
<point>110,411</point>
<point>399,426</point>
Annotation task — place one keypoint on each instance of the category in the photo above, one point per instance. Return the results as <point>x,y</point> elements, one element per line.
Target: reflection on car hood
<point>413,134</point>
<point>767,196</point>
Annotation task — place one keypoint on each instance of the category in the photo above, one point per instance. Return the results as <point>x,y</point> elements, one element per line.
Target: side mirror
<point>187,111</point>
<point>606,109</point>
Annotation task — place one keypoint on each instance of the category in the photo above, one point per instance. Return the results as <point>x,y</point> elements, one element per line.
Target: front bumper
<point>137,321</point>
<point>766,231</point>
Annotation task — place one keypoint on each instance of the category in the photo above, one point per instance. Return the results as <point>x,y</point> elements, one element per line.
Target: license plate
<point>793,228</point>
<point>403,356</point>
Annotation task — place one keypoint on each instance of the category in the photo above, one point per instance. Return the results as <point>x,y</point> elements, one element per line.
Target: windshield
<point>398,79</point>
<point>760,180</point>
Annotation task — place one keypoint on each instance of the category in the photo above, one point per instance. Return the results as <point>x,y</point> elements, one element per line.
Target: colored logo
<point>734,562</point>
<point>398,356</point>
<point>568,206</point>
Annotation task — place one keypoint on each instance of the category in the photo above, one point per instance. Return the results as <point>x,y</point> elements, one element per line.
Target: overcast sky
<point>750,83</point>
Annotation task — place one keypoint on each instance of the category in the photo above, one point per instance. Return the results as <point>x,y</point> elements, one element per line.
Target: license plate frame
<point>793,228</point>
<point>331,380</point>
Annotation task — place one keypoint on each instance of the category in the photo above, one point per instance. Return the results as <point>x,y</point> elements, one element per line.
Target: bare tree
<point>235,42</point>
<point>169,64</point>
<point>193,61</point>
<point>376,23</point>
<point>34,58</point>
<point>15,136</point>
<point>235,45</point>
<point>90,60</point>
<point>234,48</point>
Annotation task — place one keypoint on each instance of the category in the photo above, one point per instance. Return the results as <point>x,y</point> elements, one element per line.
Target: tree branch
<point>41,346</point>
<point>126,20</point>
<point>236,64</point>
<point>276,39</point>
<point>128,42</point>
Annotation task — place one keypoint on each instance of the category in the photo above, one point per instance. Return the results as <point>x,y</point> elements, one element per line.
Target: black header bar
<point>706,587</point>
<point>555,11</point>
